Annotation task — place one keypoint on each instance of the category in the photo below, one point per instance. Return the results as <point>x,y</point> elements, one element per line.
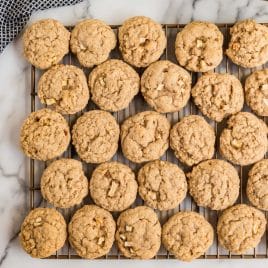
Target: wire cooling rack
<point>138,104</point>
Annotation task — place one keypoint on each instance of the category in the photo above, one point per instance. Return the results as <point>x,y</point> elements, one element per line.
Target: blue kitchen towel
<point>14,14</point>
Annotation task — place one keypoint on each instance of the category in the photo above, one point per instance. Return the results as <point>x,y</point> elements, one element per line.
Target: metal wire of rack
<point>138,105</point>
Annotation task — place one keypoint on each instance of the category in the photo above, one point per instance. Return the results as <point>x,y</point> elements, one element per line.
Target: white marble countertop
<point>14,92</point>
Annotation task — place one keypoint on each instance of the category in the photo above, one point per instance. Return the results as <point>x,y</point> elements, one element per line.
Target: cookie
<point>95,136</point>
<point>138,234</point>
<point>162,185</point>
<point>165,86</point>
<point>198,46</point>
<point>248,46</point>
<point>141,41</point>
<point>44,135</point>
<point>63,183</point>
<point>113,85</point>
<point>218,95</point>
<point>91,232</point>
<point>64,87</point>
<point>214,184</point>
<point>92,41</point>
<point>240,228</point>
<point>192,140</point>
<point>144,136</point>
<point>256,91</point>
<point>244,140</point>
<point>43,232</point>
<point>113,186</point>
<point>187,235</point>
<point>257,185</point>
<point>45,43</point>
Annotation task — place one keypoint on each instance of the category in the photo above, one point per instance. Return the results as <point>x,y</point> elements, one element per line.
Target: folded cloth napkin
<point>14,14</point>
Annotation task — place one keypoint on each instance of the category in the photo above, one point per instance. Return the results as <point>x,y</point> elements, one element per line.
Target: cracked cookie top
<point>214,184</point>
<point>162,185</point>
<point>240,228</point>
<point>64,87</point>
<point>43,232</point>
<point>138,234</point>
<point>44,135</point>
<point>187,235</point>
<point>142,41</point>
<point>144,136</point>
<point>198,46</point>
<point>45,43</point>
<point>192,140</point>
<point>218,95</point>
<point>113,85</point>
<point>91,232</point>
<point>113,186</point>
<point>63,183</point>
<point>95,136</point>
<point>166,86</point>
<point>244,140</point>
<point>92,41</point>
<point>257,185</point>
<point>248,46</point>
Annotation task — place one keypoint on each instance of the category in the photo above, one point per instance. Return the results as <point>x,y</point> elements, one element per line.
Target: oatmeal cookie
<point>218,95</point>
<point>64,87</point>
<point>187,235</point>
<point>240,228</point>
<point>138,234</point>
<point>244,140</point>
<point>257,185</point>
<point>113,186</point>
<point>192,140</point>
<point>165,86</point>
<point>145,136</point>
<point>63,183</point>
<point>198,46</point>
<point>256,90</point>
<point>142,41</point>
<point>92,41</point>
<point>113,85</point>
<point>44,135</point>
<point>91,232</point>
<point>95,136</point>
<point>45,43</point>
<point>214,184</point>
<point>162,185</point>
<point>43,232</point>
<point>248,46</point>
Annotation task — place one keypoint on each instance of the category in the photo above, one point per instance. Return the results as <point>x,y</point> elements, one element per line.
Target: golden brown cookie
<point>64,87</point>
<point>113,186</point>
<point>43,232</point>
<point>162,185</point>
<point>187,235</point>
<point>45,43</point>
<point>244,140</point>
<point>92,41</point>
<point>198,46</point>
<point>63,183</point>
<point>142,41</point>
<point>144,136</point>
<point>44,135</point>
<point>248,46</point>
<point>95,136</point>
<point>165,86</point>
<point>138,234</point>
<point>113,85</point>
<point>240,228</point>
<point>91,232</point>
<point>218,95</point>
